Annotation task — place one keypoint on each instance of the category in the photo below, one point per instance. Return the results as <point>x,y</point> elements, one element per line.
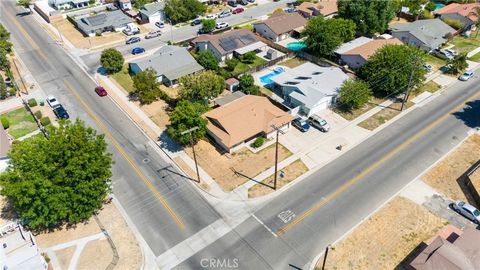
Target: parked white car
<point>153,34</point>
<point>467,211</point>
<point>221,25</point>
<point>52,101</point>
<point>318,122</point>
<point>211,16</point>
<point>466,76</point>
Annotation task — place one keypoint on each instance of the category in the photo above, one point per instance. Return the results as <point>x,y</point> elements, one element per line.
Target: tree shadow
<point>470,114</point>
<point>167,143</point>
<point>23,14</point>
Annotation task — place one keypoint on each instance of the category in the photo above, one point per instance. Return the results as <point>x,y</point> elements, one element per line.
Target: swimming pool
<point>265,79</point>
<point>296,46</point>
<point>438,6</point>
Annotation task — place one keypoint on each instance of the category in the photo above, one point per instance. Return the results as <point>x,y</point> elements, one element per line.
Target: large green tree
<point>25,3</point>
<point>185,116</point>
<point>112,60</point>
<point>202,86</point>
<point>354,94</point>
<point>389,70</point>
<point>4,63</point>
<point>60,180</point>
<point>247,85</point>
<point>323,36</point>
<point>146,86</point>
<point>458,63</point>
<point>207,60</point>
<point>208,24</point>
<point>183,10</point>
<point>5,43</point>
<point>3,88</point>
<point>370,16</point>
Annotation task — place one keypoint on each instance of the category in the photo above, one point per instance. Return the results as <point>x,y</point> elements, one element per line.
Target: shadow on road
<point>470,114</point>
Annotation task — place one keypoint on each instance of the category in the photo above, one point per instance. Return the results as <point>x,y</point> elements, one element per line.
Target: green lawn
<point>434,61</point>
<point>464,44</point>
<point>475,58</point>
<point>430,86</point>
<point>124,79</point>
<point>242,67</point>
<point>21,123</point>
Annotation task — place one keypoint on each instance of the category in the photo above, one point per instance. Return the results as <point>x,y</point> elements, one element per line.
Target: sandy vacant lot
<point>386,238</point>
<point>222,168</point>
<point>75,37</point>
<point>443,177</point>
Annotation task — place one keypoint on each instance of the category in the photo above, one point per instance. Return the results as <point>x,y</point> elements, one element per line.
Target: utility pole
<point>276,157</point>
<point>193,149</point>
<point>407,92</point>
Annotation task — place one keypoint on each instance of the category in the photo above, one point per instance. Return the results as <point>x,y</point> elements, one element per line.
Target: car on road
<point>232,3</point>
<point>196,22</point>
<point>211,16</point>
<point>466,76</point>
<point>153,34</point>
<point>221,25</point>
<point>301,123</point>
<point>224,14</point>
<point>202,31</point>
<point>318,122</point>
<point>60,112</point>
<point>160,24</point>
<point>243,2</point>
<point>52,101</point>
<point>138,50</point>
<point>132,40</point>
<point>427,67</point>
<point>251,1</point>
<point>100,91</point>
<point>131,33</point>
<point>467,211</point>
<point>238,10</point>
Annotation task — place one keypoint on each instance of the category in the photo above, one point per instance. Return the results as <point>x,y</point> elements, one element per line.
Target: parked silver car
<point>319,123</point>
<point>153,34</point>
<point>467,211</point>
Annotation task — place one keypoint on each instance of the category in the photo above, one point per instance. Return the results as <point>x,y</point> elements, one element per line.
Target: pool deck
<point>265,72</point>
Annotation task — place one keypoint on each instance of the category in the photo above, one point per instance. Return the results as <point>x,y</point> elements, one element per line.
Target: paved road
<point>135,160</point>
<point>317,211</point>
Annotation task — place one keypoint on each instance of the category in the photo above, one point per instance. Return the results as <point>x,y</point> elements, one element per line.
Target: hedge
<point>38,114</point>
<point>5,122</point>
<point>45,121</point>
<point>32,102</point>
<point>258,142</point>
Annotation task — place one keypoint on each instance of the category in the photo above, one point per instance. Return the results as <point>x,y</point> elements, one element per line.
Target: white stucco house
<point>152,12</point>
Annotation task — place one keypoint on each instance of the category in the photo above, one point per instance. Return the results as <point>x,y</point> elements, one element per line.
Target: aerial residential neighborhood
<point>240,134</point>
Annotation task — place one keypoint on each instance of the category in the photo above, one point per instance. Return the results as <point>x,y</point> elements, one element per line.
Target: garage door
<point>319,107</point>
<point>154,18</point>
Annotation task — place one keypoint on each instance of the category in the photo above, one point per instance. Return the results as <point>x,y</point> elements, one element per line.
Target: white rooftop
<point>345,47</point>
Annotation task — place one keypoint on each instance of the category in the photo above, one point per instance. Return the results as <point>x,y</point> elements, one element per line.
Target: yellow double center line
<point>177,220</point>
<point>364,173</point>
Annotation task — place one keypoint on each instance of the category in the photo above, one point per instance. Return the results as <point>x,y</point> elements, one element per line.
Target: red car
<point>100,91</point>
<point>238,10</point>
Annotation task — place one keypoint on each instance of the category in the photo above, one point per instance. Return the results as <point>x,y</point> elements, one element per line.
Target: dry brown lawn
<point>190,172</point>
<point>64,256</point>
<point>62,235</point>
<point>384,115</point>
<point>292,171</point>
<point>386,238</point>
<point>351,115</point>
<point>75,37</point>
<point>443,177</point>
<point>222,168</point>
<point>157,111</point>
<point>292,62</point>
<point>89,258</point>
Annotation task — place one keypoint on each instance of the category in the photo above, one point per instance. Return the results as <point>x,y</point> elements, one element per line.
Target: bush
<point>45,121</point>
<point>259,141</point>
<point>5,122</point>
<point>38,114</point>
<point>456,24</point>
<point>12,91</point>
<point>32,102</point>
<point>231,64</point>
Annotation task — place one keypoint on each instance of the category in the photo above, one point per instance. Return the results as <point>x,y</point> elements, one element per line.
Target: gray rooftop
<point>152,8</point>
<point>227,99</point>
<point>311,82</point>
<point>171,62</point>
<point>105,19</point>
<point>430,32</point>
<point>345,47</point>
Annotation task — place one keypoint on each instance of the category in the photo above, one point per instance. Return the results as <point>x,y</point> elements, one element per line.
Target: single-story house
<point>125,4</point>
<point>228,44</point>
<point>358,56</point>
<point>235,123</point>
<point>68,4</point>
<point>152,12</point>
<point>466,13</point>
<point>325,8</point>
<point>170,63</point>
<point>310,87</point>
<point>280,26</point>
<point>424,34</point>
<point>455,252</point>
<point>102,22</point>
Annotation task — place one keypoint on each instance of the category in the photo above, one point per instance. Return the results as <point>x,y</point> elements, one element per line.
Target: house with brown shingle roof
<point>466,13</point>
<point>357,56</point>
<point>225,45</point>
<point>280,26</point>
<point>326,8</point>
<point>234,124</point>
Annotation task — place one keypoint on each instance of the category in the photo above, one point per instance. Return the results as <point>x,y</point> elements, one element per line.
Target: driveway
<point>440,206</point>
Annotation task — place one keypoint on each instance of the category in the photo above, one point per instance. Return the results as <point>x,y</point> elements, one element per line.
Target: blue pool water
<point>438,6</point>
<point>296,46</point>
<point>265,79</point>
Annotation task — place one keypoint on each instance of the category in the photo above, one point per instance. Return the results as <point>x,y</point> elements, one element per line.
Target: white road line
<point>263,224</point>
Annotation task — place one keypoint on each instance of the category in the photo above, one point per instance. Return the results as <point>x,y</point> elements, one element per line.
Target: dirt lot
<point>292,171</point>
<point>75,37</point>
<point>443,177</point>
<point>351,115</point>
<point>157,111</point>
<point>222,168</point>
<point>384,115</point>
<point>385,239</point>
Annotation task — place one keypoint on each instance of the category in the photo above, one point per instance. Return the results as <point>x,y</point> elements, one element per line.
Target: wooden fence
<point>471,193</point>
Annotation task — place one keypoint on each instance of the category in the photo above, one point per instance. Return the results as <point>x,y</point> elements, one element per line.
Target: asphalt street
<point>291,229</point>
<point>164,211</point>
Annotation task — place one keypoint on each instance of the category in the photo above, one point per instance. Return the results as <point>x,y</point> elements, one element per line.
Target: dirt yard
<point>232,170</point>
<point>384,115</point>
<point>351,115</point>
<point>292,171</point>
<point>75,37</point>
<point>157,111</point>
<point>443,177</point>
<point>385,239</point>
<point>190,172</point>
